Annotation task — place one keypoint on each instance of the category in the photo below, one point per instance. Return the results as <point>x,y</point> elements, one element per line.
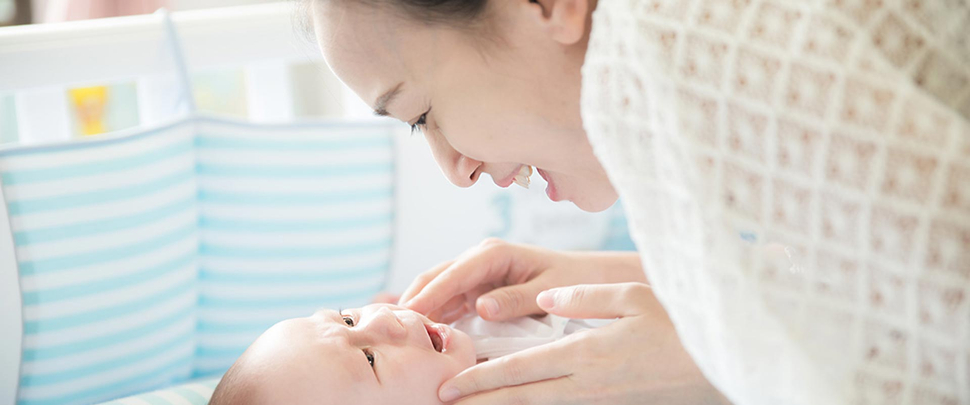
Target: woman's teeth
<point>522,179</point>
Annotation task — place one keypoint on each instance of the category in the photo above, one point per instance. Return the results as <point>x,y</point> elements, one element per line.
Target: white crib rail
<point>265,40</point>
<point>41,61</point>
<point>38,63</point>
<point>44,55</point>
<point>241,36</point>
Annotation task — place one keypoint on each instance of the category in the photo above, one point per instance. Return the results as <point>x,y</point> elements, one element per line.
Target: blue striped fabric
<point>194,393</point>
<point>151,258</point>
<point>106,242</point>
<point>291,219</point>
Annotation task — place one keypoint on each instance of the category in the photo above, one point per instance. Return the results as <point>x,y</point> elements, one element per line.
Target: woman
<point>835,130</point>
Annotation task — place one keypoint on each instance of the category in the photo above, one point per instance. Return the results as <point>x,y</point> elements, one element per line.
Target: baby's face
<point>378,354</point>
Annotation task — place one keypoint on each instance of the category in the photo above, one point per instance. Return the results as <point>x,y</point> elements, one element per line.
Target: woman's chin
<point>594,202</point>
<point>590,195</point>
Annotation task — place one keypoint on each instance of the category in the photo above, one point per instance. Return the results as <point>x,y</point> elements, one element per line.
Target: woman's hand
<point>501,280</point>
<point>636,360</point>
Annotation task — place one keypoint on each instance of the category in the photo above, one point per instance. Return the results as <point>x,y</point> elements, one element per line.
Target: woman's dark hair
<point>454,13</point>
<point>437,11</point>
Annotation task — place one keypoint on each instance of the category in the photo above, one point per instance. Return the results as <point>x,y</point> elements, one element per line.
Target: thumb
<point>598,301</point>
<point>509,302</point>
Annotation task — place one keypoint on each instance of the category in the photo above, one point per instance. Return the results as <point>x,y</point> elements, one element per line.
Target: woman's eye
<point>370,358</point>
<point>421,122</point>
<point>349,321</point>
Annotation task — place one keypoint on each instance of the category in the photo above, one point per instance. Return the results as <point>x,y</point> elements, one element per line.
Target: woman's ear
<point>564,20</point>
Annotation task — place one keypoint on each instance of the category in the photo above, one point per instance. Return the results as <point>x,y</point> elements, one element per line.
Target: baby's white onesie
<point>496,339</point>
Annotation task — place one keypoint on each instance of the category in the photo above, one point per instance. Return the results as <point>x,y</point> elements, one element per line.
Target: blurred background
<point>17,12</point>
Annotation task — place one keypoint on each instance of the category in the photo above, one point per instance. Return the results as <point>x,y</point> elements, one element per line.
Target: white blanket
<point>496,339</point>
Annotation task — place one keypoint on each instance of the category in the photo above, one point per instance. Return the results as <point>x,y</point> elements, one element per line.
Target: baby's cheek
<point>424,375</point>
<point>464,348</point>
<point>445,368</point>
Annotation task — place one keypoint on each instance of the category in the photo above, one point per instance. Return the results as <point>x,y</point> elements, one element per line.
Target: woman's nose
<point>384,324</point>
<point>460,170</point>
<point>464,173</point>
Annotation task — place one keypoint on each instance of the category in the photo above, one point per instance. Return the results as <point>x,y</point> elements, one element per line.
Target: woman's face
<point>488,100</point>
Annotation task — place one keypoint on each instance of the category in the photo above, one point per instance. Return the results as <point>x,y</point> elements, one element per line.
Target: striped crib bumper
<point>155,257</point>
<point>195,393</point>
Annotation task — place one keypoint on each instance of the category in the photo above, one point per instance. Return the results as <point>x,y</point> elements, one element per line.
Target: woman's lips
<point>520,176</point>
<point>507,181</point>
<point>551,191</point>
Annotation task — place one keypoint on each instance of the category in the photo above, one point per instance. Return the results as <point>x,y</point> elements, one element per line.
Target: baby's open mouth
<point>437,341</point>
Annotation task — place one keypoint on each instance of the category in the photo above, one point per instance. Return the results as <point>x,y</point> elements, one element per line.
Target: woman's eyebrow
<point>380,106</point>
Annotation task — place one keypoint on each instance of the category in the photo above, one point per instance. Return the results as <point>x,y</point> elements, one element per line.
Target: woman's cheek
<point>473,140</point>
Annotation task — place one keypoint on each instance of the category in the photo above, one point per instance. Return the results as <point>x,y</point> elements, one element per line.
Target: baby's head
<point>378,354</point>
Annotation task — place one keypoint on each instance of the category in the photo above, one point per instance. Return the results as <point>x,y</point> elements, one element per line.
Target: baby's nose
<point>383,323</point>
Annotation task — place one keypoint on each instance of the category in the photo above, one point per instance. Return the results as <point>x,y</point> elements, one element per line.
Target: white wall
<point>435,220</point>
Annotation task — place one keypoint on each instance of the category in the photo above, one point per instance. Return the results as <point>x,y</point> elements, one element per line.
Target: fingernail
<point>546,299</point>
<point>449,394</point>
<point>490,305</point>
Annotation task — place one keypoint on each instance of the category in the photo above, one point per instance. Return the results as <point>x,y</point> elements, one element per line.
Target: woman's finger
<point>455,304</point>
<point>510,302</point>
<point>455,315</point>
<point>488,264</point>
<point>385,297</point>
<point>539,363</point>
<point>422,280</point>
<point>598,301</point>
<point>555,391</point>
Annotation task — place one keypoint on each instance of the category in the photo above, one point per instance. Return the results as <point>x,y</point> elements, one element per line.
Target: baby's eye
<point>370,358</point>
<point>349,321</point>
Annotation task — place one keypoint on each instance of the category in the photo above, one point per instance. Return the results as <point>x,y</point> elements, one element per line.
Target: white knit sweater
<point>833,131</point>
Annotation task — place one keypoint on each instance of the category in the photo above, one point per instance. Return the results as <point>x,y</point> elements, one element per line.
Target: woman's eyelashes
<point>420,123</point>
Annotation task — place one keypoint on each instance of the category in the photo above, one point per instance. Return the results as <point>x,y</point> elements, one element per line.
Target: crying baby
<point>378,354</point>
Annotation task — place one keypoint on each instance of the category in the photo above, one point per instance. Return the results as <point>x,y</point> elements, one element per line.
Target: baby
<point>378,354</point>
